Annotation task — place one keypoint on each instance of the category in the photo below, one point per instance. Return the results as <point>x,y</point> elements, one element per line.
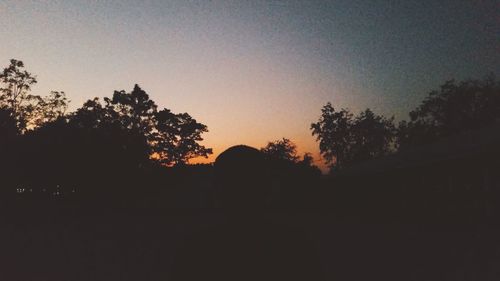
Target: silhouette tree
<point>293,178</point>
<point>307,159</point>
<point>17,83</point>
<point>283,149</point>
<point>455,108</point>
<point>117,140</point>
<point>50,108</point>
<point>172,138</point>
<point>177,137</point>
<point>373,136</point>
<point>345,139</point>
<point>102,150</point>
<point>93,115</point>
<point>333,133</point>
<point>134,110</point>
<point>29,110</point>
<point>100,163</point>
<point>307,165</point>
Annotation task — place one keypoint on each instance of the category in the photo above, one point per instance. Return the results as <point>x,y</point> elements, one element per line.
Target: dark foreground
<point>187,244</point>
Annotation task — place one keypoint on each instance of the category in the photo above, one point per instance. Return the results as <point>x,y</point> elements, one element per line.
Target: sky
<point>254,71</point>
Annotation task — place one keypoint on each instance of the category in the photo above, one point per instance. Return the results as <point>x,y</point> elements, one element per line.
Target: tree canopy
<point>177,138</point>
<point>110,139</point>
<point>456,107</point>
<point>30,111</point>
<point>345,139</point>
<point>283,149</point>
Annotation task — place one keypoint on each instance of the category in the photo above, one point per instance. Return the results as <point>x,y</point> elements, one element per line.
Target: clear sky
<point>254,71</point>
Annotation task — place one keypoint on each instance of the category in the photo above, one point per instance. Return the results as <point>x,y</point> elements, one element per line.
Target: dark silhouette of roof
<point>241,177</point>
<point>248,243</point>
<point>237,158</point>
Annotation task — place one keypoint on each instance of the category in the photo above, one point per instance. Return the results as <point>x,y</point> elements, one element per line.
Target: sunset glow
<point>252,71</point>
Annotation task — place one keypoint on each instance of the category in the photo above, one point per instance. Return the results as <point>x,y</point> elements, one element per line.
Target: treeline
<point>437,167</point>
<point>104,145</point>
<point>121,150</point>
<point>346,139</point>
<point>125,149</point>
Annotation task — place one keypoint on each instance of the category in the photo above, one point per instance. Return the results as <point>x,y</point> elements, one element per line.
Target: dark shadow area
<point>248,243</point>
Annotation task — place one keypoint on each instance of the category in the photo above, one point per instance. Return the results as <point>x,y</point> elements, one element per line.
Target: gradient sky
<point>254,71</point>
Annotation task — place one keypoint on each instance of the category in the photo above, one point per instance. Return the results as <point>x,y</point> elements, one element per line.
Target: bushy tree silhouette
<point>17,84</point>
<point>373,136</point>
<point>177,138</point>
<point>345,139</point>
<point>102,151</point>
<point>454,108</point>
<point>134,110</point>
<point>29,110</point>
<point>283,149</point>
<point>173,138</point>
<point>333,133</point>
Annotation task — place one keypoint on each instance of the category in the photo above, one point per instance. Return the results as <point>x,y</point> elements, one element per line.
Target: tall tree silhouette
<point>177,137</point>
<point>373,136</point>
<point>333,133</point>
<point>50,108</point>
<point>345,139</point>
<point>454,108</point>
<point>17,84</point>
<point>172,138</point>
<point>134,110</point>
<point>103,150</point>
<point>29,110</point>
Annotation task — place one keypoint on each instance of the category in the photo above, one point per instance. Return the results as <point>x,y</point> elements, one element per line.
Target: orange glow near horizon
<point>302,147</point>
<point>252,71</point>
